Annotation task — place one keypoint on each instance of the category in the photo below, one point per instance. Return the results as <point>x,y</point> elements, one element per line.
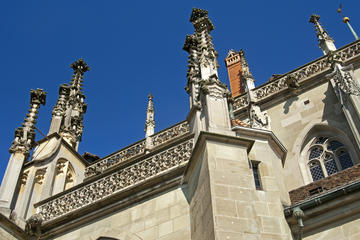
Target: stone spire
<point>207,55</point>
<point>326,43</point>
<point>207,94</point>
<point>20,149</point>
<point>149,123</point>
<point>68,113</point>
<point>25,135</point>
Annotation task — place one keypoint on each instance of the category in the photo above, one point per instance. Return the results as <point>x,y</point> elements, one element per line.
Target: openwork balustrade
<point>137,149</point>
<point>118,181</point>
<point>297,76</point>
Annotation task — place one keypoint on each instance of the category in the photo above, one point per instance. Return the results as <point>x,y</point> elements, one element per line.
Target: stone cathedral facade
<point>279,161</point>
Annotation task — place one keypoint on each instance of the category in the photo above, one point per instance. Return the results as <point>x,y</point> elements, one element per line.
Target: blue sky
<point>134,48</point>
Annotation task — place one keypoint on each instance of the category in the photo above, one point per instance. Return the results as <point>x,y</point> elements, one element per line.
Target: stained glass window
<point>327,156</point>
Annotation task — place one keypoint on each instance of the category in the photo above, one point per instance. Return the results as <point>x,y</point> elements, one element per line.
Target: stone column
<point>20,149</point>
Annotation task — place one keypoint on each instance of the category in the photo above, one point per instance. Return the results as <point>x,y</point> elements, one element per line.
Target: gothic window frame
<point>323,158</point>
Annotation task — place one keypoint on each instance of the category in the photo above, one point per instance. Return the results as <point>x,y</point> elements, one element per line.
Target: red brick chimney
<point>235,72</point>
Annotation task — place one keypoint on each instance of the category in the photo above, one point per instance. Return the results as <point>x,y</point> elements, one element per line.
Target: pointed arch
<point>325,150</point>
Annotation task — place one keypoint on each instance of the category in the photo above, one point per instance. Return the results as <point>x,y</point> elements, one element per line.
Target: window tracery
<point>327,156</point>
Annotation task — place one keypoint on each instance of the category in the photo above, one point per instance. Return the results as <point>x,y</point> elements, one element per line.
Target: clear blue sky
<point>134,48</point>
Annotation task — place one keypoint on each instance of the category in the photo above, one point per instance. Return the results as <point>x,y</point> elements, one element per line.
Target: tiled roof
<point>324,185</point>
<point>238,122</point>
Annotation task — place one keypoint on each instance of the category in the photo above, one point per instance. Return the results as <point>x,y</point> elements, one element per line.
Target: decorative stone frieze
<point>121,179</point>
<point>137,149</point>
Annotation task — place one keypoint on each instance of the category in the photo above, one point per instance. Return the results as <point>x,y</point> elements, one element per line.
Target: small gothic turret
<point>68,113</point>
<point>326,43</point>
<point>20,149</point>
<point>149,123</point>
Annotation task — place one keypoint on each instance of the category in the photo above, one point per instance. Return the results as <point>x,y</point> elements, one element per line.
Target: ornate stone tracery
<point>117,181</point>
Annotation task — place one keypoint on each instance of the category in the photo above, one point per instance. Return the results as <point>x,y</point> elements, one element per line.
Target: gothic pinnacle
<point>326,43</point>
<point>25,135</point>
<point>150,122</point>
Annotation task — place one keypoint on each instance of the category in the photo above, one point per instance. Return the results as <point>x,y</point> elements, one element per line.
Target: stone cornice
<point>12,228</point>
<point>270,90</point>
<point>200,144</point>
<point>253,133</point>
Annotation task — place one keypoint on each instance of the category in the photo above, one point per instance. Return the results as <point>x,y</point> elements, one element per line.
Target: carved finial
<point>200,20</point>
<point>326,43</point>
<point>80,66</point>
<point>25,135</point>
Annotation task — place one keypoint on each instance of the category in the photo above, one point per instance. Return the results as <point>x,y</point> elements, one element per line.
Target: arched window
<point>327,156</point>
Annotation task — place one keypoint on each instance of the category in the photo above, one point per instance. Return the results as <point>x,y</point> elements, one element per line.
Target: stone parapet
<point>294,78</point>
<point>137,149</point>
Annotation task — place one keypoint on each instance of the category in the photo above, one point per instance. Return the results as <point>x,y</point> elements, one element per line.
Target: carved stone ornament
<point>38,96</point>
<point>342,75</point>
<point>60,167</point>
<point>292,81</point>
<point>33,226</point>
<point>40,175</point>
<point>134,174</point>
<point>24,177</point>
<point>259,119</point>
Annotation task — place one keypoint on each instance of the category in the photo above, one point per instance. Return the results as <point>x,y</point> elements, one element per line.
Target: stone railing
<point>121,180</point>
<point>298,75</point>
<point>170,133</point>
<point>137,149</point>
